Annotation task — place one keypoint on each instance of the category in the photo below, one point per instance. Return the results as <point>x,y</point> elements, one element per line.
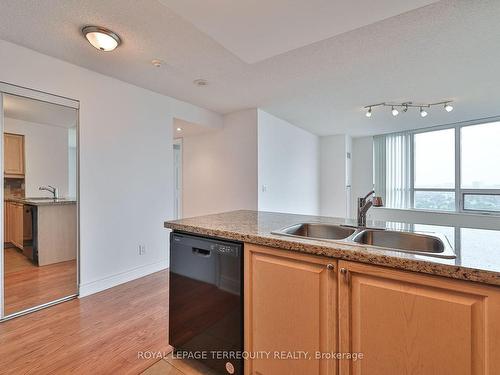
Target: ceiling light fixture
<point>407,105</point>
<point>156,63</point>
<point>101,38</point>
<point>179,129</point>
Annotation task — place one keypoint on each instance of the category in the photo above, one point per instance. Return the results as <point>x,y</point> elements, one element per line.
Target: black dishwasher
<point>206,301</point>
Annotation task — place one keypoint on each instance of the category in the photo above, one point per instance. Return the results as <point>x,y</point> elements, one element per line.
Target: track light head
<point>369,112</point>
<point>448,107</point>
<point>394,111</point>
<point>423,112</point>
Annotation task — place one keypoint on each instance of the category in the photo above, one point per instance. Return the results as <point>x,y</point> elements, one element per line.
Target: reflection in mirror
<point>40,211</point>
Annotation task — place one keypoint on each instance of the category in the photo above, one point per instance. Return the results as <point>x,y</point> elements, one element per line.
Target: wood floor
<point>171,366</point>
<point>27,285</point>
<point>98,334</point>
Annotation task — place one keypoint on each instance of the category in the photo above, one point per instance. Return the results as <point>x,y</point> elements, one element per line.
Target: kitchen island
<point>401,312</point>
<point>43,228</point>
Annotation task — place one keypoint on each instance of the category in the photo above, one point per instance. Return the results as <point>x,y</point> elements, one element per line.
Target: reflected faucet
<point>51,189</point>
<point>364,205</point>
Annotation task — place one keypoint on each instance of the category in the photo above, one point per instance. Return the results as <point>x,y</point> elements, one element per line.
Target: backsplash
<point>13,187</point>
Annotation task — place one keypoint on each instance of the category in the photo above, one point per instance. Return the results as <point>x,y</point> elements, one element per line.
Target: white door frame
<point>11,89</point>
<point>178,196</point>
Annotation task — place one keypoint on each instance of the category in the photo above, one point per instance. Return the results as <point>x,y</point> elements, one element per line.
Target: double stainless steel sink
<point>435,244</point>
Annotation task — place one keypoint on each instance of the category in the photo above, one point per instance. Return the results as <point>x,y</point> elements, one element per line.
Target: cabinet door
<point>17,219</point>
<point>409,323</point>
<point>290,307</point>
<point>13,154</point>
<point>6,224</point>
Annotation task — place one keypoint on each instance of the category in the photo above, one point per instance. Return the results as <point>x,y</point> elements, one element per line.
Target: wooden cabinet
<point>409,323</point>
<point>395,322</point>
<point>13,155</point>
<point>14,223</point>
<point>6,222</point>
<point>290,307</point>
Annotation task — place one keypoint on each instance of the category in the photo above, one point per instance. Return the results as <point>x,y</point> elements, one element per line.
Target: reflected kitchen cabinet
<point>13,155</point>
<point>16,221</point>
<point>13,225</point>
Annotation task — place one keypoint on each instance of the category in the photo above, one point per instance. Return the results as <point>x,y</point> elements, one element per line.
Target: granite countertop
<point>477,250</point>
<point>41,201</point>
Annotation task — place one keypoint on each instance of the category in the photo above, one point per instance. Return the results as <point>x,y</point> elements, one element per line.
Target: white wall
<point>288,167</point>
<point>46,156</point>
<point>125,163</point>
<point>220,168</point>
<point>335,176</point>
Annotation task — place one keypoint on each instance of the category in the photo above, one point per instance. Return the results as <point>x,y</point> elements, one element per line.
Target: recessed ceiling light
<point>156,62</point>
<point>200,82</point>
<point>179,129</point>
<point>101,38</point>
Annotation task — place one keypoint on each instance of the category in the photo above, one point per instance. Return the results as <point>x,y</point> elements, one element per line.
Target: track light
<point>404,107</point>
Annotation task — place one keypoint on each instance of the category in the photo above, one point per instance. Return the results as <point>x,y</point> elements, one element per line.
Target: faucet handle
<point>369,195</point>
<point>378,202</point>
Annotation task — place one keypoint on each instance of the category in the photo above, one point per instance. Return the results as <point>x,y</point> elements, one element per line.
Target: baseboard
<point>120,278</point>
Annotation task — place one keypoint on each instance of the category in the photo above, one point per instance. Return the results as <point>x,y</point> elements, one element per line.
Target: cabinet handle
<point>345,272</point>
<point>330,267</point>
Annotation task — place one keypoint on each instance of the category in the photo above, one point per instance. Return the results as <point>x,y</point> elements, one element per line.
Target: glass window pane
<point>435,159</point>
<point>482,202</point>
<point>435,200</point>
<point>480,156</point>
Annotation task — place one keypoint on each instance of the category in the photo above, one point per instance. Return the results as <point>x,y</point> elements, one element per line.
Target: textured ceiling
<point>255,30</point>
<point>446,50</point>
<point>39,112</point>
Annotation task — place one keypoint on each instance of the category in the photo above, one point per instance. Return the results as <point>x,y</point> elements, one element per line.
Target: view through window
<point>450,168</point>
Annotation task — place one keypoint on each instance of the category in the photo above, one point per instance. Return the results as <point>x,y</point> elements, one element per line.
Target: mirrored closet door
<point>40,210</point>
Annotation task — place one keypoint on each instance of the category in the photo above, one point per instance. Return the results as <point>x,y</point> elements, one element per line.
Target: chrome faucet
<point>51,189</point>
<point>364,205</point>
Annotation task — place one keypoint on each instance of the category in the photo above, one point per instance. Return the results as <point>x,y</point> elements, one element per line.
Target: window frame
<point>460,192</point>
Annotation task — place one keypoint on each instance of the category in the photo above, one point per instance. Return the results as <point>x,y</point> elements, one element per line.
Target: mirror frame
<point>11,89</point>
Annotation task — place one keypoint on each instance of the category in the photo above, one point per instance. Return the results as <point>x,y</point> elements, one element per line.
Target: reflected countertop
<point>41,201</point>
<point>477,250</point>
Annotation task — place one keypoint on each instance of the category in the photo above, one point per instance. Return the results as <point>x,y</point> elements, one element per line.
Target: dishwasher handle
<point>201,252</point>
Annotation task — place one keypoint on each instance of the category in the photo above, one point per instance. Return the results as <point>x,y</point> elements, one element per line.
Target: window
<point>450,168</point>
<point>434,160</point>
